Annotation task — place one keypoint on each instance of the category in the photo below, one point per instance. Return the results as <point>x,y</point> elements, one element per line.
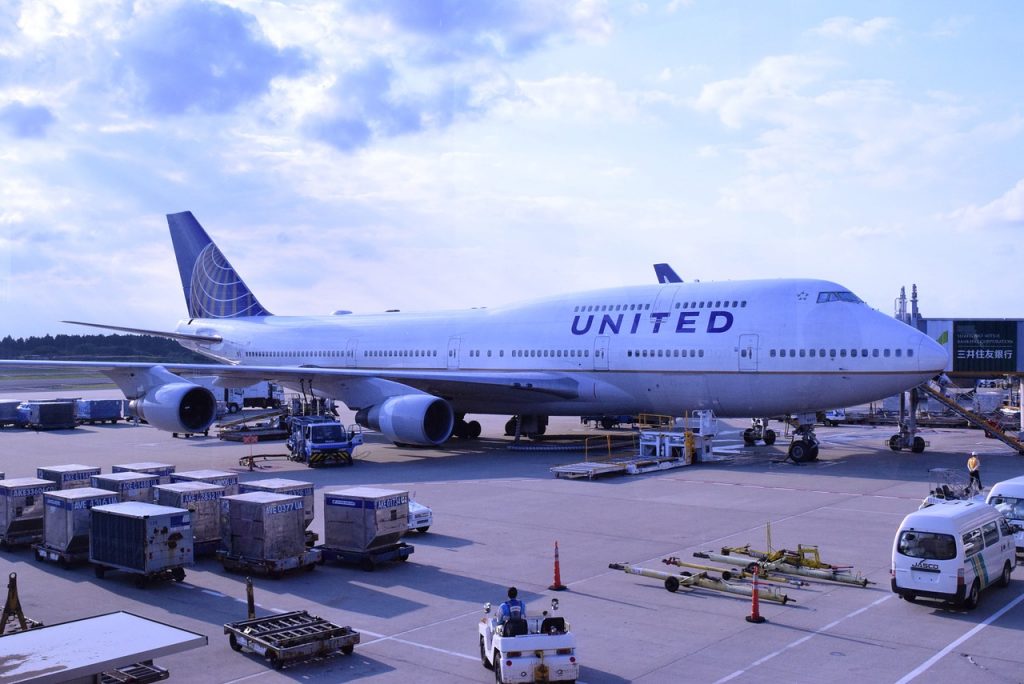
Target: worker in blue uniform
<point>512,608</point>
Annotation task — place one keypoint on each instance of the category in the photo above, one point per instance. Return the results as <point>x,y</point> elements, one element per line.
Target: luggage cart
<point>273,567</point>
<point>367,560</point>
<point>290,636</point>
<point>62,557</point>
<point>142,579</point>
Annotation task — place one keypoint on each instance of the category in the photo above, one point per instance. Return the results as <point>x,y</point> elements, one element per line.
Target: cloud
<point>864,32</point>
<point>367,105</point>
<point>202,57</point>
<point>1007,210</point>
<point>26,121</point>
<point>456,30</point>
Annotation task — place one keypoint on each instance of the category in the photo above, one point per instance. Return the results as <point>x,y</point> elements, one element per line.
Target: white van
<point>1008,498</point>
<point>951,552</point>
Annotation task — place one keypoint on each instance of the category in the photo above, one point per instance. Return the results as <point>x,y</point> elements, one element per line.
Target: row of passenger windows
<point>665,353</point>
<point>551,353</point>
<point>701,304</point>
<point>407,353</point>
<point>332,353</point>
<point>832,353</point>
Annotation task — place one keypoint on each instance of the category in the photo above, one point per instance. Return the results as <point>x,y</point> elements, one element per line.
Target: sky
<point>444,154</point>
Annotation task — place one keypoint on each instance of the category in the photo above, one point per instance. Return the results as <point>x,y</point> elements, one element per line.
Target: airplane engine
<point>419,419</point>
<point>177,407</point>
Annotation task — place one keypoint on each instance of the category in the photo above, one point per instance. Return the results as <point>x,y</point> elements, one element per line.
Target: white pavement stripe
<point>801,640</point>
<point>923,667</point>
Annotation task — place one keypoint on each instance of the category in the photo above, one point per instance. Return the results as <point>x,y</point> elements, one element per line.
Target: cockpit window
<point>838,296</point>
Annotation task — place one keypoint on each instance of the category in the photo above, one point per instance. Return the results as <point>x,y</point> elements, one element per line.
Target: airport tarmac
<point>497,516</point>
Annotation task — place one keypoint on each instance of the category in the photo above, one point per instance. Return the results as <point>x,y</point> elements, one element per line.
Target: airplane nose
<point>931,356</point>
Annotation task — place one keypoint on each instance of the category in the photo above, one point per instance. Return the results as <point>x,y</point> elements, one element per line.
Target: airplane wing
<point>347,383</point>
<point>154,333</point>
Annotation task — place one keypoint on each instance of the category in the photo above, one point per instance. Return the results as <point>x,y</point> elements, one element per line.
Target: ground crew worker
<point>512,608</point>
<point>974,468</point>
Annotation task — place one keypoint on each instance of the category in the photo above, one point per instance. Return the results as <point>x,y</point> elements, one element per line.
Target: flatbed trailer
<point>367,560</point>
<point>272,567</point>
<point>290,637</point>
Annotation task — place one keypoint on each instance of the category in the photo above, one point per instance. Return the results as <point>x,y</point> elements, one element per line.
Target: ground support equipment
<point>290,636</point>
<point>367,560</point>
<point>63,558</point>
<point>21,539</point>
<point>804,562</point>
<point>272,567</point>
<point>674,582</point>
<point>12,610</point>
<point>136,673</point>
<point>142,579</point>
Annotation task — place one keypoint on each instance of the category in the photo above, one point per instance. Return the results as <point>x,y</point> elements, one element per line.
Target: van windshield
<point>1011,507</point>
<point>930,545</point>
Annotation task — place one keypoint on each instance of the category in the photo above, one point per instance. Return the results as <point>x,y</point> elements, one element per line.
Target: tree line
<point>98,348</point>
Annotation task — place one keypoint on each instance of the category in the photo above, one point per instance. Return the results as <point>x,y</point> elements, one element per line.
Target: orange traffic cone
<point>557,584</point>
<point>755,614</point>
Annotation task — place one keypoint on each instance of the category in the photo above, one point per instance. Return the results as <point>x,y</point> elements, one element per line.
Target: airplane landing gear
<point>804,447</point>
<point>465,430</point>
<point>759,430</point>
<point>907,437</point>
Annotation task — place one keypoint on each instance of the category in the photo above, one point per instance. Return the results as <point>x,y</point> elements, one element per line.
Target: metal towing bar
<point>673,582</point>
<point>802,563</point>
<point>728,574</point>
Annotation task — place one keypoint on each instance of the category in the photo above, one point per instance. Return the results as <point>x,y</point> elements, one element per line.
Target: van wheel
<point>909,598</point>
<point>971,600</point>
<point>497,667</point>
<point>1004,579</point>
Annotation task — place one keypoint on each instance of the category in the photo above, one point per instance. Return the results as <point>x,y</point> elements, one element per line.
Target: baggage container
<point>163,470</point>
<point>362,519</point>
<point>67,521</point>
<point>218,477</point>
<point>97,411</point>
<point>144,539</point>
<point>263,526</point>
<point>280,485</point>
<point>21,510</point>
<point>68,476</point>
<point>130,486</point>
<point>202,500</point>
<point>48,415</point>
<point>9,414</point>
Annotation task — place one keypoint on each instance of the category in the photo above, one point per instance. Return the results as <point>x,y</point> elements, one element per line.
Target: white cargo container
<point>130,486</point>
<point>68,476</point>
<point>224,478</point>
<point>263,525</point>
<point>21,510</point>
<point>67,523</point>
<point>162,470</point>
<point>364,518</point>
<point>280,485</point>
<point>144,539</point>
<point>202,500</point>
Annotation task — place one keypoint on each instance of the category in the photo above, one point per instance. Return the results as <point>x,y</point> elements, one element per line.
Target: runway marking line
<point>801,640</point>
<point>926,665</point>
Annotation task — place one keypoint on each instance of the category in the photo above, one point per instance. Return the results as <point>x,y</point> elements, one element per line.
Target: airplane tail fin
<point>213,289</point>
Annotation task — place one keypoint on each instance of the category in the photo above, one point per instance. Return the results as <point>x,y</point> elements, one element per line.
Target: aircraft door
<point>601,352</point>
<point>748,352</point>
<point>663,302</point>
<point>453,352</point>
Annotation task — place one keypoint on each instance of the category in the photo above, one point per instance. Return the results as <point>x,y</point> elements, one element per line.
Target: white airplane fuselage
<point>743,348</point>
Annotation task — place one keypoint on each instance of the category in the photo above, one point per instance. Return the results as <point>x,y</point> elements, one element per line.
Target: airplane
<point>740,348</point>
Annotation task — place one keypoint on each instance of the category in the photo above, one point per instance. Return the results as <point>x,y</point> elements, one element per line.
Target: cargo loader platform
<point>290,637</point>
<point>367,560</point>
